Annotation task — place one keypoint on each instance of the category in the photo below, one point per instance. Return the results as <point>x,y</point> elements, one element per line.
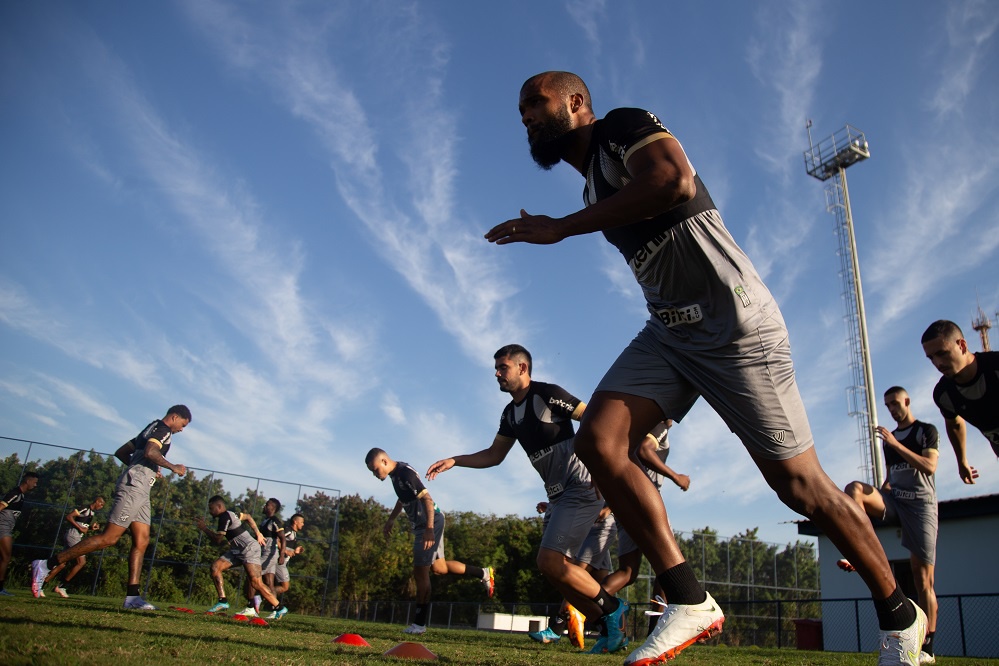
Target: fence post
<point>856,618</point>
<point>960,618</point>
<point>779,625</point>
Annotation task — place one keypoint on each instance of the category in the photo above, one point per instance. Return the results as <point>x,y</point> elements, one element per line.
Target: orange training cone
<point>352,639</point>
<point>410,651</point>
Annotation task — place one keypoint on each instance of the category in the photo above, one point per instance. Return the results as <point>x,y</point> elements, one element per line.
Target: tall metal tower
<point>982,324</point>
<point>827,161</point>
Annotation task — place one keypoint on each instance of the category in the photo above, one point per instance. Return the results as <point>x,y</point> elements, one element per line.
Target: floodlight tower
<point>982,324</point>
<point>827,161</point>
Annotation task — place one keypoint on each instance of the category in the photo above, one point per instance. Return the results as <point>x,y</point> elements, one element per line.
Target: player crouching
<point>243,549</point>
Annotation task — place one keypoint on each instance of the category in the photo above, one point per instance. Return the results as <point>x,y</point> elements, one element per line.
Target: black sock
<point>223,600</point>
<point>3,581</point>
<point>557,622</point>
<point>474,571</point>
<point>52,562</point>
<point>653,620</point>
<point>928,643</point>
<point>681,587</point>
<point>896,612</point>
<point>132,591</point>
<point>421,614</point>
<point>607,603</point>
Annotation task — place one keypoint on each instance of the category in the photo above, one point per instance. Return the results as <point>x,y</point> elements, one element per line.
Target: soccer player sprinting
<point>272,552</point>
<point>244,540</point>
<point>143,456</point>
<point>427,522</point>
<point>282,578</point>
<point>10,511</point>
<point>81,521</point>
<point>540,417</point>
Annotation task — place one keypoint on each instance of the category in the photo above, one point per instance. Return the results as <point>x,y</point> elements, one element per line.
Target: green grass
<point>95,630</point>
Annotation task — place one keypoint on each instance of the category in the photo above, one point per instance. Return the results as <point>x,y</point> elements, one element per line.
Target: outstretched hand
<point>537,229</point>
<point>438,467</point>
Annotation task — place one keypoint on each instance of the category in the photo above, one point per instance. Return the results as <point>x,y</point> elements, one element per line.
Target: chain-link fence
<point>178,558</point>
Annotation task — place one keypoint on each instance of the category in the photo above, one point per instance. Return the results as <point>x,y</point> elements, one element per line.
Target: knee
<point>438,568</point>
<point>551,564</point>
<point>855,490</point>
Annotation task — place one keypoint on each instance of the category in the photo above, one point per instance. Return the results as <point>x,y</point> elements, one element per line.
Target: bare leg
<point>80,562</point>
<point>6,552</point>
<point>923,575</point>
<point>140,540</point>
<point>257,583</point>
<point>422,577</point>
<point>803,486</point>
<point>219,567</point>
<point>626,573</point>
<point>575,584</point>
<point>611,423</point>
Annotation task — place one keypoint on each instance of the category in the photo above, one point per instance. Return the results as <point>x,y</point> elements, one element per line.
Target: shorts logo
<point>123,519</point>
<point>777,437</point>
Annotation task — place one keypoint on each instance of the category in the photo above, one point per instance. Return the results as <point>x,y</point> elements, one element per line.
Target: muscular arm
<point>646,454</point>
<point>428,532</point>
<point>280,546</point>
<point>154,456</point>
<point>957,433</point>
<point>661,178</point>
<point>218,538</point>
<point>391,519</point>
<point>925,463</point>
<point>248,519</point>
<point>490,457</point>
<point>71,519</point>
<point>125,451</point>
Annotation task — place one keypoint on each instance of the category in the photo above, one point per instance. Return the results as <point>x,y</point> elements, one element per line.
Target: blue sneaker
<point>615,623</point>
<point>278,614</point>
<point>220,606</point>
<point>600,647</point>
<point>546,636</point>
<point>5,593</point>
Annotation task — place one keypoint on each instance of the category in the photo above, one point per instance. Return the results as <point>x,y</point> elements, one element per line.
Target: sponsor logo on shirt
<point>538,455</point>
<point>676,316</point>
<point>555,402</point>
<point>647,251</point>
<point>903,494</point>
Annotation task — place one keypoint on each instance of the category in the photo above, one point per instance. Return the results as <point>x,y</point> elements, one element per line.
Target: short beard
<point>546,144</point>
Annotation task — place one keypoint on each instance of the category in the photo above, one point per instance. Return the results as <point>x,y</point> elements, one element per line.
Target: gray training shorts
<point>7,520</point>
<point>269,558</point>
<point>423,557</point>
<point>749,383</point>
<point>595,550</point>
<point>569,519</point>
<point>130,503</point>
<point>281,574</point>
<point>72,537</point>
<point>918,521</point>
<point>247,554</point>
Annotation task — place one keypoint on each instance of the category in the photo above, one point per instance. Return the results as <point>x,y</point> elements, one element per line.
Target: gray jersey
<point>699,285</point>
<point>907,482</point>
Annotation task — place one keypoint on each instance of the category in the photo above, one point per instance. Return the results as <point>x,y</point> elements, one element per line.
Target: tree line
<point>346,556</point>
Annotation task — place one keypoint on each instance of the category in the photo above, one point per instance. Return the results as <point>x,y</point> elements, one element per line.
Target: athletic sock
<point>223,600</point>
<point>928,643</point>
<point>681,587</point>
<point>896,612</point>
<point>653,620</point>
<point>475,572</point>
<point>132,590</point>
<point>421,614</point>
<point>608,604</point>
<point>557,622</point>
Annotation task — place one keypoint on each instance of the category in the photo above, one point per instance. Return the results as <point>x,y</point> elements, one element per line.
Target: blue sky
<point>273,212</point>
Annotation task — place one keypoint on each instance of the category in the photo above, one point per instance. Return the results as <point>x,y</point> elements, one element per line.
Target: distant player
<point>238,530</point>
<point>81,521</point>
<point>968,390</point>
<point>908,498</point>
<point>10,511</point>
<point>291,548</point>
<point>540,417</point>
<point>272,552</point>
<point>427,522</point>
<point>143,456</point>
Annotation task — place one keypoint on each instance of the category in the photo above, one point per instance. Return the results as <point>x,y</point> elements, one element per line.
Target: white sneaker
<point>927,658</point>
<point>677,629</point>
<point>904,647</point>
<point>249,611</point>
<point>137,603</point>
<point>414,629</point>
<point>61,591</point>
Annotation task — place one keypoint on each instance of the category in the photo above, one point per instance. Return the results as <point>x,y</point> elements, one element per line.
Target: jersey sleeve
<point>10,495</point>
<point>943,401</point>
<point>660,432</point>
<point>627,130</point>
<point>225,522</point>
<point>410,480</point>
<point>506,424</point>
<point>931,438</point>
<point>159,433</point>
<point>559,400</point>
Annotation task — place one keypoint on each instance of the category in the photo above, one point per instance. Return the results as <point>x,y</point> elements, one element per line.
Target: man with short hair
<point>80,521</point>
<point>291,548</point>
<point>715,330</point>
<point>968,390</point>
<point>10,511</point>
<point>272,552</point>
<point>143,456</point>
<point>427,522</point>
<point>245,540</point>
<point>908,498</point>
<point>540,417</point>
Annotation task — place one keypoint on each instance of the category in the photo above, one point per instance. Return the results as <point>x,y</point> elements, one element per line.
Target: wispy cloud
<point>588,15</point>
<point>970,27</point>
<point>441,258</point>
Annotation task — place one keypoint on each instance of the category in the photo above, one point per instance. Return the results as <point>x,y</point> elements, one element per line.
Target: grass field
<point>92,630</point>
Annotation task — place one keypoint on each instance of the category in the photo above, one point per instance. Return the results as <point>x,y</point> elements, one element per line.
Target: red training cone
<point>410,651</point>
